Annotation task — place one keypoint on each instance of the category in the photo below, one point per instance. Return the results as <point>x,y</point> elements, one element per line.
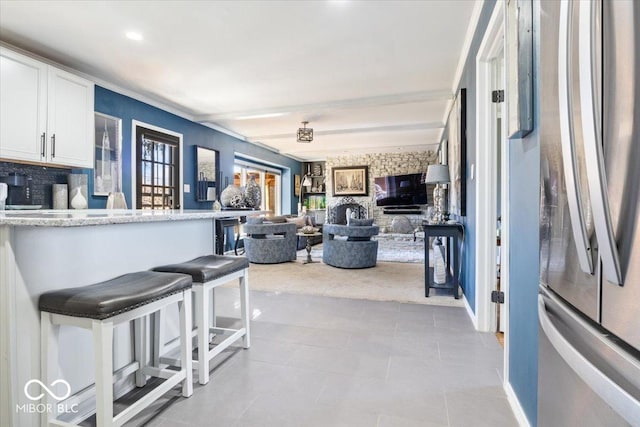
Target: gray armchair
<point>350,246</point>
<point>270,243</point>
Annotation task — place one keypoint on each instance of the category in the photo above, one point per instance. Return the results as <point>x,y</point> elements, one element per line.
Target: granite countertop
<point>85,217</point>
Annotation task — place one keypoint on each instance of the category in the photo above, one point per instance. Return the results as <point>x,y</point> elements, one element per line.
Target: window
<point>267,178</point>
<point>157,170</point>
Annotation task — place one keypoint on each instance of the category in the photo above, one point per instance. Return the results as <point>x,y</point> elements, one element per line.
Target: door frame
<point>493,44</point>
<point>134,131</point>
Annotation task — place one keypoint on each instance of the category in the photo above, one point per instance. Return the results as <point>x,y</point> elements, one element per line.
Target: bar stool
<point>209,272</point>
<point>100,307</point>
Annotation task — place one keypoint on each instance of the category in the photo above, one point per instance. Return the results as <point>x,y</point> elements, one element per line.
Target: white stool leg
<point>158,337</point>
<point>49,360</point>
<point>214,323</point>
<point>140,340</point>
<point>103,348</point>
<point>244,307</point>
<point>202,323</point>
<point>185,343</point>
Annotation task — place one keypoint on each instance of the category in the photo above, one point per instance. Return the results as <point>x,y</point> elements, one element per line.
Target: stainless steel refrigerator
<point>589,303</point>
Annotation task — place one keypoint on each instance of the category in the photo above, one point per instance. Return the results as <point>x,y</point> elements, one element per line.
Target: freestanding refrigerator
<point>589,302</point>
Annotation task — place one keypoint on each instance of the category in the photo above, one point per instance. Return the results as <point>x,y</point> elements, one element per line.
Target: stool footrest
<point>226,343</point>
<point>148,398</point>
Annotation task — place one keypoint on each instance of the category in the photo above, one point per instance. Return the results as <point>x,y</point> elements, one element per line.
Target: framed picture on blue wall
<point>107,171</point>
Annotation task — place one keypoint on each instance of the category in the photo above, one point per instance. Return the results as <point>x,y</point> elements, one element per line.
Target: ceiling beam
<point>390,128</point>
<point>373,101</point>
<point>300,149</point>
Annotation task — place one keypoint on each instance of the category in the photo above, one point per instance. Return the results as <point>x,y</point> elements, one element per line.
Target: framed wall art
<point>350,181</point>
<point>519,68</point>
<point>107,171</point>
<point>296,185</point>
<point>457,155</point>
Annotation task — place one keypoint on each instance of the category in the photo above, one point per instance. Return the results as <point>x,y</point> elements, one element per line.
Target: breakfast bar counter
<point>48,250</point>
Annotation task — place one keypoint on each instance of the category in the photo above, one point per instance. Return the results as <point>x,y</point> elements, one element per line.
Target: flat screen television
<point>400,190</point>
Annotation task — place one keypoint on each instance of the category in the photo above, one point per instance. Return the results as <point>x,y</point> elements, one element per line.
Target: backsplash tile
<point>43,177</point>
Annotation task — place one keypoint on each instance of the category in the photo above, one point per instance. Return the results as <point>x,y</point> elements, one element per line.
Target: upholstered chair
<point>350,246</point>
<point>270,243</point>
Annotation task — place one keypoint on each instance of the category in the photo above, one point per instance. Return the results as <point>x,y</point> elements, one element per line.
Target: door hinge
<point>497,296</point>
<point>497,96</point>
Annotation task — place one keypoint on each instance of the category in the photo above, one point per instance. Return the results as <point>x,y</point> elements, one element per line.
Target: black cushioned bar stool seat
<point>99,308</point>
<point>209,272</point>
<point>207,268</point>
<point>115,296</point>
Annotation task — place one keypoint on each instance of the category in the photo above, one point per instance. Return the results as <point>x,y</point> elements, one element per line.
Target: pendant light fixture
<point>304,134</point>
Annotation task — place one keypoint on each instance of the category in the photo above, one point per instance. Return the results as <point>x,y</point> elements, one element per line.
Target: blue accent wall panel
<point>129,109</point>
<point>468,81</point>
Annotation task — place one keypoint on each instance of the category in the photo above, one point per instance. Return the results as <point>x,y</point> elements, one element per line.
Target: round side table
<point>308,247</point>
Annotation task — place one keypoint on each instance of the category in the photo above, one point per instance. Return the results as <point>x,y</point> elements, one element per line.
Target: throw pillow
<point>255,220</point>
<point>361,222</point>
<point>276,220</point>
<point>299,221</point>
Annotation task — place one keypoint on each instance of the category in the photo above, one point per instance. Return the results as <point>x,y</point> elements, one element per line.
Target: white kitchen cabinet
<point>46,114</point>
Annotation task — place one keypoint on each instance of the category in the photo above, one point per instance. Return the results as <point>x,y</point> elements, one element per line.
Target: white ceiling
<point>369,76</point>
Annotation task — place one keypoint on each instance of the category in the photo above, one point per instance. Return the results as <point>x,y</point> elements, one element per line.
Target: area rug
<point>387,281</point>
<point>391,248</point>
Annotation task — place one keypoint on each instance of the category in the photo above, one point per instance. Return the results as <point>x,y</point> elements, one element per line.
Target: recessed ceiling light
<point>134,35</point>
<point>260,116</point>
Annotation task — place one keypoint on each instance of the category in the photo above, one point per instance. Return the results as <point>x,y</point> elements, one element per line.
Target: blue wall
<point>128,109</point>
<point>524,265</point>
<point>523,199</point>
<point>468,81</point>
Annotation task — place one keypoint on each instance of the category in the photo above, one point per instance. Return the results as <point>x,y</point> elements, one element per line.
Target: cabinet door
<point>70,120</point>
<point>23,107</point>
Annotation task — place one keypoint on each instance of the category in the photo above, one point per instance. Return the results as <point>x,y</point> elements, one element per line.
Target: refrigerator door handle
<point>567,138</point>
<point>614,395</point>
<point>592,133</point>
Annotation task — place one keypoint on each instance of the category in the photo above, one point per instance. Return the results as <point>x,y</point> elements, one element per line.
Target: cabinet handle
<point>42,144</point>
<point>53,145</point>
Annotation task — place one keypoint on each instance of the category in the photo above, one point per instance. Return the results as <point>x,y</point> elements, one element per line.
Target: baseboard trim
<point>515,406</point>
<point>470,312</point>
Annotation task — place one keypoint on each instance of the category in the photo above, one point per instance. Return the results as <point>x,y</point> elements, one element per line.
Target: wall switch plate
<point>186,188</point>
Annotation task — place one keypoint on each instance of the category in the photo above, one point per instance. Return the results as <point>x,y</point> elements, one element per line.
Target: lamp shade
<point>437,174</point>
<point>306,181</point>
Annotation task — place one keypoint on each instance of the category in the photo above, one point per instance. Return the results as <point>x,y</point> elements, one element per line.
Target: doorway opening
<point>492,215</point>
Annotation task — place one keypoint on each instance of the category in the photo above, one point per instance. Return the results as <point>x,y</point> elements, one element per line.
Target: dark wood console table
<point>454,235</point>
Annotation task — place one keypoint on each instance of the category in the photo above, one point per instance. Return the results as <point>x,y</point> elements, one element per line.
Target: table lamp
<point>438,174</point>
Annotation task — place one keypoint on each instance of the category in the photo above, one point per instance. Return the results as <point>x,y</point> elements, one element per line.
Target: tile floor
<point>321,361</point>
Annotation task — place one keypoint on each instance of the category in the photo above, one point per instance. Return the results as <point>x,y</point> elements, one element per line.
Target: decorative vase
<point>439,268</point>
<point>60,196</point>
<point>78,190</point>
<point>217,206</point>
<point>252,193</point>
<point>232,196</point>
<point>78,201</point>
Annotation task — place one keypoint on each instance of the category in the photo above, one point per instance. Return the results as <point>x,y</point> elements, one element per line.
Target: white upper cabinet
<point>46,114</point>
<point>23,107</point>
<point>70,119</point>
